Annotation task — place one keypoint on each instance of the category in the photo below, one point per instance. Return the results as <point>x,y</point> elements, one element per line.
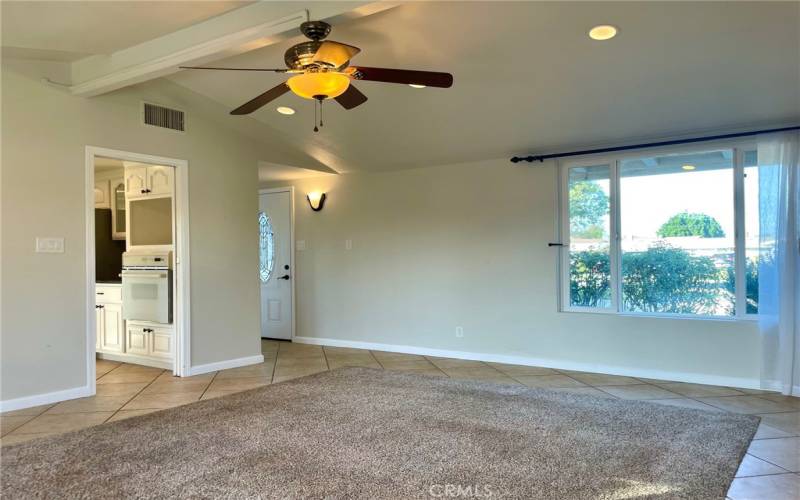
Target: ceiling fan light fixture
<point>285,110</point>
<point>416,86</point>
<point>313,85</point>
<point>603,32</point>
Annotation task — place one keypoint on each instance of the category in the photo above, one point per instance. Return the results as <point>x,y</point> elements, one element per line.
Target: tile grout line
<point>209,385</point>
<point>325,357</point>
<point>376,360</point>
<point>132,397</point>
<point>765,460</point>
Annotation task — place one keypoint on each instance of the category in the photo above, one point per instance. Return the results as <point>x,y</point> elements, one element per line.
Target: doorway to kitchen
<point>137,260</point>
<point>276,269</point>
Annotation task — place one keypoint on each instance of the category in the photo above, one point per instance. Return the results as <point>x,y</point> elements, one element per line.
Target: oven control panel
<point>150,260</point>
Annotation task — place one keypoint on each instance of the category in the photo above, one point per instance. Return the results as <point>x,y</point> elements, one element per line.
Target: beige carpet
<point>366,433</point>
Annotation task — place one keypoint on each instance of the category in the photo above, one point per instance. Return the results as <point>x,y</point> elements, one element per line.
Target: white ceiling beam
<point>240,30</point>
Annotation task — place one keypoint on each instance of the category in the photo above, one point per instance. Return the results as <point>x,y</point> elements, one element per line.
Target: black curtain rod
<point>542,158</point>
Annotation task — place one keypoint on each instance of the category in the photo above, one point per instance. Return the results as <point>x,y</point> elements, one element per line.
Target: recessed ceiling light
<point>688,167</point>
<point>284,110</point>
<point>603,32</point>
<point>416,86</point>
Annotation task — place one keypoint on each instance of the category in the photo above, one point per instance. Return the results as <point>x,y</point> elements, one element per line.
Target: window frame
<point>613,160</point>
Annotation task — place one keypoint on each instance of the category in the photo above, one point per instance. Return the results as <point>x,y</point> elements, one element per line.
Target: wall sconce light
<point>316,200</point>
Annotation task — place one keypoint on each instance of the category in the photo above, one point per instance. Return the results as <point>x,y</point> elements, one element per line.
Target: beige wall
<point>466,245</point>
<point>44,133</point>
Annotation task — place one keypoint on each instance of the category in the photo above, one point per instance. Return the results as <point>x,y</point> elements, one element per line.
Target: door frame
<point>181,280</point>
<point>292,263</point>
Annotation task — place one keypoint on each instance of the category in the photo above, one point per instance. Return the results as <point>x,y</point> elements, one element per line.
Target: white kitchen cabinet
<point>112,332</point>
<point>137,342</point>
<point>135,182</point>
<point>137,339</point>
<point>160,180</point>
<point>102,197</point>
<point>151,340</point>
<point>161,343</point>
<point>118,231</point>
<point>99,322</point>
<point>147,181</point>
<point>110,327</point>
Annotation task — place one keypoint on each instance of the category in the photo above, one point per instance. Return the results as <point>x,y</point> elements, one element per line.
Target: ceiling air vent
<point>159,116</point>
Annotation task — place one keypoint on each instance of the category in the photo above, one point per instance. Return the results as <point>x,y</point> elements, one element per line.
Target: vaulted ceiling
<point>67,31</point>
<point>527,78</point>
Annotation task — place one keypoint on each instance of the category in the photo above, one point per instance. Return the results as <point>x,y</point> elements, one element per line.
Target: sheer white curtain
<point>779,264</point>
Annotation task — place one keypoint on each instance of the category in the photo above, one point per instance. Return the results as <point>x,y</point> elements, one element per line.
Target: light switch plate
<point>49,245</point>
<point>348,244</point>
<point>300,245</point>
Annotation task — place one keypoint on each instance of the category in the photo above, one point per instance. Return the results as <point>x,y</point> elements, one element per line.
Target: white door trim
<point>182,361</point>
<point>292,264</point>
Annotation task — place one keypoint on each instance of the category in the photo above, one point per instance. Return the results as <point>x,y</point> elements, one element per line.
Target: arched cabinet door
<point>159,180</point>
<point>135,182</point>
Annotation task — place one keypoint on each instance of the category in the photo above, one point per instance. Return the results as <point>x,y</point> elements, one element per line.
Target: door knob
<point>284,277</point>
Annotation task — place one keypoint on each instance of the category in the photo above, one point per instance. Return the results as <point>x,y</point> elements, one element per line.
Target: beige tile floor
<point>770,470</point>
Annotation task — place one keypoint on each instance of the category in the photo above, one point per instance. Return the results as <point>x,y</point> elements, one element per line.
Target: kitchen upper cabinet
<point>160,180</point>
<point>102,198</point>
<point>148,181</point>
<point>118,231</point>
<point>135,182</point>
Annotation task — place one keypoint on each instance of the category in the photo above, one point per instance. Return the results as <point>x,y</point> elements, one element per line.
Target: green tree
<point>588,205</point>
<point>691,224</point>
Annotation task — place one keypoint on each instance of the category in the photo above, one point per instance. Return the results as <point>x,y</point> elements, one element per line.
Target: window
<point>674,233</point>
<point>589,236</point>
<point>266,247</point>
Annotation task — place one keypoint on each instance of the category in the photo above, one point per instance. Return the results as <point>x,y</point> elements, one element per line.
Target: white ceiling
<point>527,78</point>
<point>68,30</point>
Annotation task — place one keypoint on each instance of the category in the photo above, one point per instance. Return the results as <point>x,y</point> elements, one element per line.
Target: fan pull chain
<point>315,117</point>
<point>320,112</point>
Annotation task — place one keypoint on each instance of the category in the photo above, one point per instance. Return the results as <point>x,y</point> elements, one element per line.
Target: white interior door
<point>275,264</point>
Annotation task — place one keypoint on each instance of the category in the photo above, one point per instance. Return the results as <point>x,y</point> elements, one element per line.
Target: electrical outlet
<point>459,332</point>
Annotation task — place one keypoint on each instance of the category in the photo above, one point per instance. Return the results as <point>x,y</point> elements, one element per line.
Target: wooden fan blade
<point>272,70</point>
<point>407,76</point>
<point>334,53</point>
<point>269,95</point>
<point>351,98</point>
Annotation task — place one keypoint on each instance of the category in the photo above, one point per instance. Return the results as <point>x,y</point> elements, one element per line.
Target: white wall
<point>466,245</point>
<point>44,133</point>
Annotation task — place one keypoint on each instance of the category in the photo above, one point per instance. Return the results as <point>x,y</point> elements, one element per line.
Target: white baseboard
<point>45,399</point>
<point>694,378</point>
<point>224,365</point>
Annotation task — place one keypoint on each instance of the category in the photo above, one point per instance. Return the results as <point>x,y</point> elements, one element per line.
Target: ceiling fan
<point>322,70</point>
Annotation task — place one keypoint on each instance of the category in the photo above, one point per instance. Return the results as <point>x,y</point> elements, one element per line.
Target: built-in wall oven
<point>147,286</point>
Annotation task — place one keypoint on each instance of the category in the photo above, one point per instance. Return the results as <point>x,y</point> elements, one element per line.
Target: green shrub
<point>660,279</point>
<point>687,224</point>
<point>669,280</point>
<point>751,285</point>
<point>590,279</point>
